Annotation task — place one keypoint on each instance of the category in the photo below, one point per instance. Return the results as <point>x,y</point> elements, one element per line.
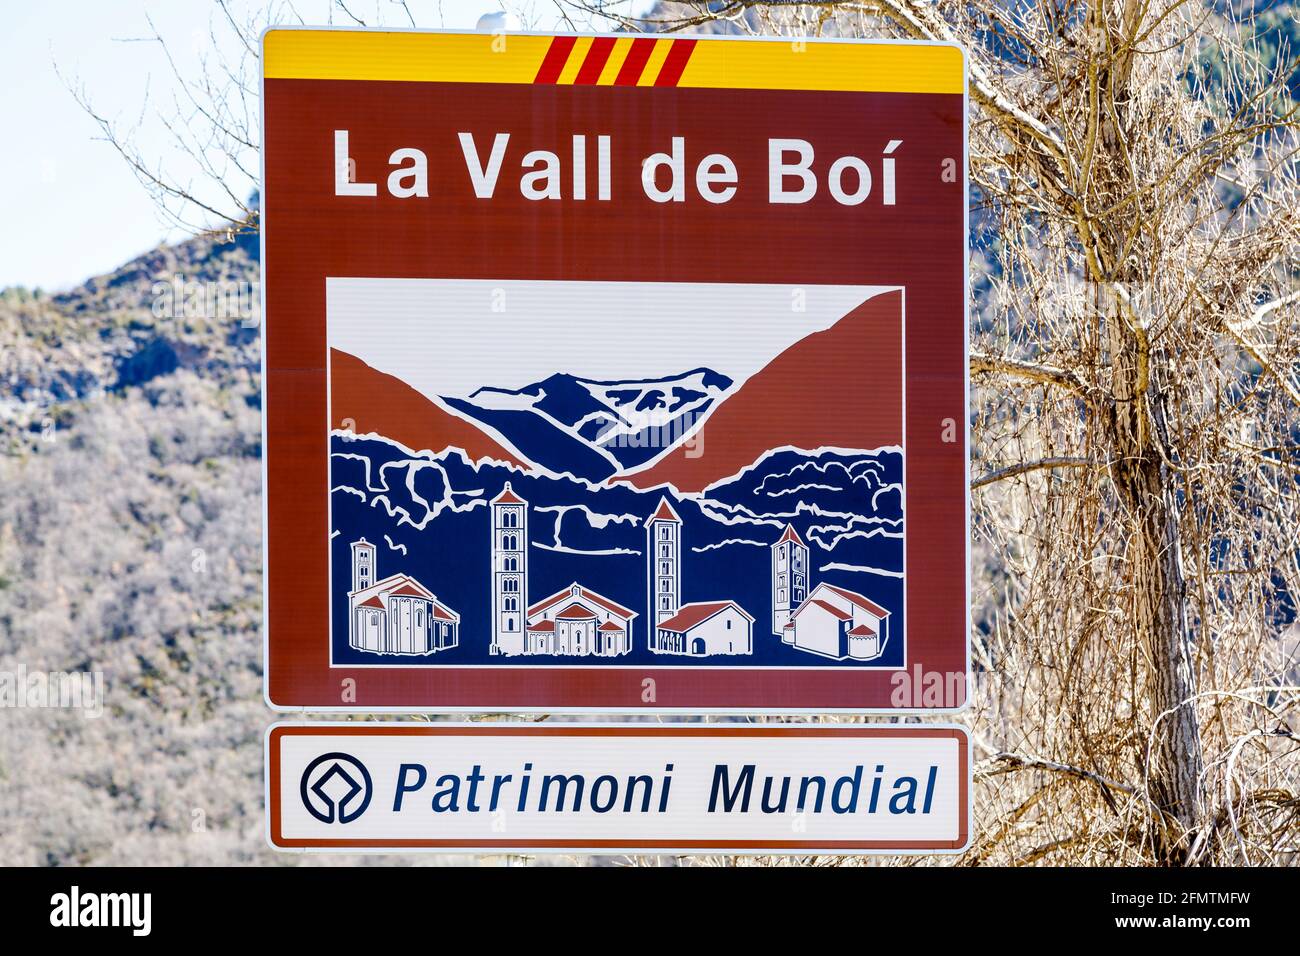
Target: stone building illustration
<point>663,563</point>
<point>705,629</point>
<point>575,622</point>
<point>581,622</point>
<point>578,621</point>
<point>828,620</point>
<point>509,514</point>
<point>395,615</point>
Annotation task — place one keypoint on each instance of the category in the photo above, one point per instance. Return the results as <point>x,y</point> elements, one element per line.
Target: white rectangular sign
<point>618,787</point>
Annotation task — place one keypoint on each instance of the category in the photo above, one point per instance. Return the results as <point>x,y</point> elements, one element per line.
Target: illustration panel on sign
<point>615,474</point>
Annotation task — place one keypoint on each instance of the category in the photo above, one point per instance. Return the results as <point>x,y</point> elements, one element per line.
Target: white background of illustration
<point>443,336</point>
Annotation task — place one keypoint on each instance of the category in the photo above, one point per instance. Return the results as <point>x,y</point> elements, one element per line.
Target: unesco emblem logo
<point>336,788</point>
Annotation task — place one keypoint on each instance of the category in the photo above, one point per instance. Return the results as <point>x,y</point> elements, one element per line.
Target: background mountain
<point>829,389</point>
<point>130,544</point>
<point>363,399</point>
<point>623,423</point>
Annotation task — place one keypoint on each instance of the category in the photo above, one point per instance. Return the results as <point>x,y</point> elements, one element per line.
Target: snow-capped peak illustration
<point>600,428</point>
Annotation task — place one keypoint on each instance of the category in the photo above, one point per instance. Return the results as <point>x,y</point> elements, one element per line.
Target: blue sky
<point>71,208</point>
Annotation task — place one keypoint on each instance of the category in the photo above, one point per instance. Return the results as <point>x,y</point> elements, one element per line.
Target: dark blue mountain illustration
<point>596,429</point>
<point>429,517</point>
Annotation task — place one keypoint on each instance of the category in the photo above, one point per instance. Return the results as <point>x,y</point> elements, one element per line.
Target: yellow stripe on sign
<point>571,66</point>
<point>655,63</point>
<point>432,57</point>
<point>515,58</point>
<point>615,61</point>
<point>795,65</point>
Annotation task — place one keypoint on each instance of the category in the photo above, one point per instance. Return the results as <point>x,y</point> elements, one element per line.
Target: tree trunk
<point>1141,454</point>
<point>1146,486</point>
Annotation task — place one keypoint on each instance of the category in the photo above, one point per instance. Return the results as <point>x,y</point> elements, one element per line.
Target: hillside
<point>377,402</point>
<point>825,390</point>
<point>130,544</point>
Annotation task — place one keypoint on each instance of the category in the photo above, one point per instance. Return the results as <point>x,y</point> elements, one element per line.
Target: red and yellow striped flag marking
<point>612,60</point>
<point>615,61</point>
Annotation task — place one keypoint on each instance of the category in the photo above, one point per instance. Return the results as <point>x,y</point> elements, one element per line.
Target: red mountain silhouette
<point>375,401</point>
<point>839,387</point>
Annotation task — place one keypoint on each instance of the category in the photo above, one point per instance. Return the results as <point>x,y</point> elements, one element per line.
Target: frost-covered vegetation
<point>130,544</point>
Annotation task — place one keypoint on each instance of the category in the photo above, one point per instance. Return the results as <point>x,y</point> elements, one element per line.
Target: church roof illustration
<point>395,583</point>
<point>791,535</point>
<point>664,512</point>
<point>862,630</point>
<point>697,613</point>
<point>401,585</point>
<point>411,589</point>
<point>542,627</point>
<point>576,590</point>
<point>575,612</point>
<point>853,597</point>
<point>508,497</point>
<point>829,608</point>
<point>611,626</point>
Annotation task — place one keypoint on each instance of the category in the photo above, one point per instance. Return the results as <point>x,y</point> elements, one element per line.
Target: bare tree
<point>208,183</point>
<point>1134,172</point>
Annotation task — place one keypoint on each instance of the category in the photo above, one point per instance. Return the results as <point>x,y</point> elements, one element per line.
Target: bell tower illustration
<point>664,557</point>
<point>363,565</point>
<point>509,572</point>
<point>789,580</point>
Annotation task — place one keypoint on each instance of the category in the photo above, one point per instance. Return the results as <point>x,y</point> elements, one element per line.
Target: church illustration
<point>578,621</point>
<point>396,615</point>
<point>700,629</point>
<point>401,616</point>
<point>574,622</point>
<point>831,621</point>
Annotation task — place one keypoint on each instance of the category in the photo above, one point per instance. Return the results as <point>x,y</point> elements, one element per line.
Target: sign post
<point>614,373</point>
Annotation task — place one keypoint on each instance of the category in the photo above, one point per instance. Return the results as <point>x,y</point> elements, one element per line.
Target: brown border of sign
<point>307,236</point>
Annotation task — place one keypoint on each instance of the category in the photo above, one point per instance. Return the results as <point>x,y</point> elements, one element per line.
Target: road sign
<point>614,788</point>
<point>614,373</point>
